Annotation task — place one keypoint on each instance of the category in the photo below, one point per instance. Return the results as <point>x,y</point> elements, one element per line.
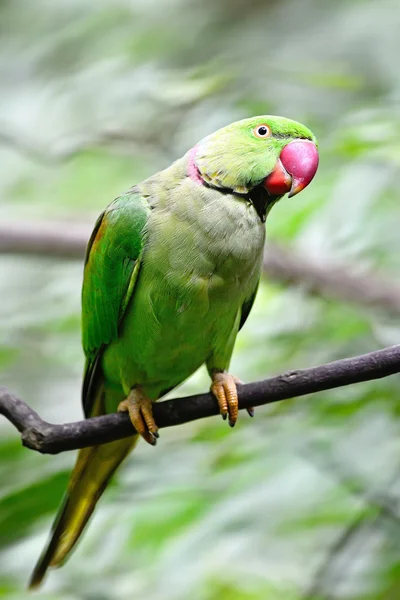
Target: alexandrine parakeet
<point>171,273</point>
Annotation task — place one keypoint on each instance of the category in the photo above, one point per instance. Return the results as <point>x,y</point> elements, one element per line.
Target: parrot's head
<point>262,158</point>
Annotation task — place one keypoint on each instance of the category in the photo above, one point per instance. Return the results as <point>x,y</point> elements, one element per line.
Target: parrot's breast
<point>201,261</point>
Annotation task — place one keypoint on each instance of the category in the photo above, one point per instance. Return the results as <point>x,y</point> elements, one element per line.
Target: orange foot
<point>224,389</point>
<point>140,411</point>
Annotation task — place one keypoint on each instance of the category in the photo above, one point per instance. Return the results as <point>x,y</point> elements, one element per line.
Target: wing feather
<point>247,306</point>
<point>112,265</point>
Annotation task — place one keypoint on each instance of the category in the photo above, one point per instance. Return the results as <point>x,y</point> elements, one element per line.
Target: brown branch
<point>123,140</point>
<point>329,279</point>
<point>58,240</point>
<point>67,240</point>
<point>51,439</point>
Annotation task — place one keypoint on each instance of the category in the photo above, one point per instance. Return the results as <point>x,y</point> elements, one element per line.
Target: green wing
<point>111,268</point>
<point>247,306</point>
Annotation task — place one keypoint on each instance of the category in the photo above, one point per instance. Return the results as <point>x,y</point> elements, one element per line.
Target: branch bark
<point>343,282</point>
<point>49,438</point>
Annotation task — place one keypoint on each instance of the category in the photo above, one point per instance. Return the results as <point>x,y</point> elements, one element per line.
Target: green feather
<point>111,268</point>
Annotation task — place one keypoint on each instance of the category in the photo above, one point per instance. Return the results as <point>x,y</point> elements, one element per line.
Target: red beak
<point>294,170</point>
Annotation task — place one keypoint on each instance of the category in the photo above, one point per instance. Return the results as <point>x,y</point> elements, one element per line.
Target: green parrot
<point>171,272</point>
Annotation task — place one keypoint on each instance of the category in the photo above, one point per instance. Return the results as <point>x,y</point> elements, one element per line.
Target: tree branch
<point>51,439</point>
<point>343,282</point>
<point>49,155</point>
<point>52,240</point>
<point>67,240</point>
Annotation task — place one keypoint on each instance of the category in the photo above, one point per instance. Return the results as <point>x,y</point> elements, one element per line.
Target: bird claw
<point>140,409</point>
<point>224,389</point>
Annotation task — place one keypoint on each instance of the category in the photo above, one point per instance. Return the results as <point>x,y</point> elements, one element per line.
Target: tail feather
<point>92,472</point>
<point>80,501</point>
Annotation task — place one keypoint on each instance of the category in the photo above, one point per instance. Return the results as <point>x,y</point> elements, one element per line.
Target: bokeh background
<point>301,502</point>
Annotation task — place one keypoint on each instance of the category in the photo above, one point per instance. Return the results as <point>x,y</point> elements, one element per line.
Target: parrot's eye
<point>262,131</point>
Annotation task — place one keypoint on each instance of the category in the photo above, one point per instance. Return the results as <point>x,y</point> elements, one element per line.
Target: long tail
<point>92,472</point>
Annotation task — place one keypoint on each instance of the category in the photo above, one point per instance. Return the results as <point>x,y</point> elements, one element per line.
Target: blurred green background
<point>301,502</point>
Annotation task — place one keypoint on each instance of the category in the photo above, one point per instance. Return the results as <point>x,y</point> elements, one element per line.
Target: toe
<point>147,414</point>
<point>219,392</point>
<point>224,388</point>
<point>233,402</point>
<point>141,416</point>
<point>123,406</point>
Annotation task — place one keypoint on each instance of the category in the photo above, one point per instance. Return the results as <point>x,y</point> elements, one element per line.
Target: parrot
<point>171,272</point>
